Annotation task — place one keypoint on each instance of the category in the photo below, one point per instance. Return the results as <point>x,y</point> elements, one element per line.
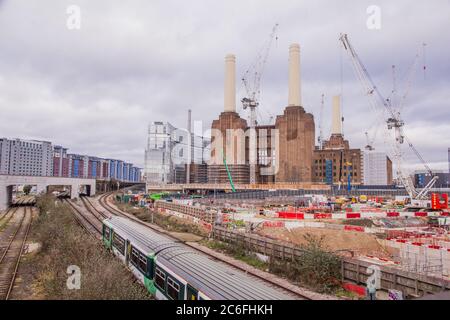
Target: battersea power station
<point>282,153</point>
<point>278,153</point>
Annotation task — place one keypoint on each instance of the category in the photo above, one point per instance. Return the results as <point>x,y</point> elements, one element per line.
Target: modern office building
<point>26,157</point>
<point>169,150</point>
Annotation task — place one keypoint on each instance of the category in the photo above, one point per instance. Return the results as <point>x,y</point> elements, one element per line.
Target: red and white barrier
<point>356,215</point>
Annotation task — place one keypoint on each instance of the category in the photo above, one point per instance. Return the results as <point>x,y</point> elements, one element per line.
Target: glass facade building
<point>169,150</point>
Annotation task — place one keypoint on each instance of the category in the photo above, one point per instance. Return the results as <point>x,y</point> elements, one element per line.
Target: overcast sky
<point>95,89</point>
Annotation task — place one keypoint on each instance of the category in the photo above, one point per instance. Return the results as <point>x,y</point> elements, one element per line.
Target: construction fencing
<point>200,213</point>
<point>353,270</point>
<point>269,194</point>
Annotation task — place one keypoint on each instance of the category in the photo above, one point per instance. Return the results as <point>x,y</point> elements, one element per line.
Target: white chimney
<point>230,83</point>
<point>294,75</point>
<point>336,124</point>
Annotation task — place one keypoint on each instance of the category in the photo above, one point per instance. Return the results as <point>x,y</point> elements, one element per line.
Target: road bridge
<point>7,182</point>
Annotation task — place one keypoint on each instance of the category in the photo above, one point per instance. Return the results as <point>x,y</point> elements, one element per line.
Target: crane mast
<point>251,101</point>
<point>320,138</point>
<point>369,145</point>
<point>384,107</point>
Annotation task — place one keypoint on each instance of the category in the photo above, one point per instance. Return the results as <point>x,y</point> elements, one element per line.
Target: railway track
<point>5,217</point>
<point>93,210</point>
<point>4,214</point>
<point>11,254</point>
<point>93,227</point>
<point>104,203</point>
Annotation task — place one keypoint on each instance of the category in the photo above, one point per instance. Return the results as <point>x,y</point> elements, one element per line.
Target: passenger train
<point>171,270</point>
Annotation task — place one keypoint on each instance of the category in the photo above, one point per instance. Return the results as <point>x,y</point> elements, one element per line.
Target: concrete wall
<point>41,183</point>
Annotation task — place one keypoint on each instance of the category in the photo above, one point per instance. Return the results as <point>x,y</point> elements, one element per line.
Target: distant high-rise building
<point>40,158</point>
<point>60,162</point>
<point>26,157</point>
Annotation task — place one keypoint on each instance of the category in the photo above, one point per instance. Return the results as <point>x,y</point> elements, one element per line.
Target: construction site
<point>276,182</point>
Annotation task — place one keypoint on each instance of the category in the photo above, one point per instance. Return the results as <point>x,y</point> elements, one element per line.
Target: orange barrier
<point>354,228</point>
<point>291,215</point>
<point>273,224</point>
<point>322,216</point>
<point>393,214</point>
<point>420,214</point>
<point>360,290</point>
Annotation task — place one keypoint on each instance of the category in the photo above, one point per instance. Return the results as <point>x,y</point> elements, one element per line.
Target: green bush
<point>317,268</point>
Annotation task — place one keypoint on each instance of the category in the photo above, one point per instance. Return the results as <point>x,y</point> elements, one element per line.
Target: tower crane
<point>252,83</point>
<point>320,138</point>
<point>369,145</point>
<point>393,121</point>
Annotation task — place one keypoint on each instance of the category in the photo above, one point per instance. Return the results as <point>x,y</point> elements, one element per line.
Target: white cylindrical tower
<point>230,84</point>
<point>294,75</point>
<point>336,124</point>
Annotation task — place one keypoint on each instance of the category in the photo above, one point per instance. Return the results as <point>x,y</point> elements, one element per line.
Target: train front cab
<point>106,235</point>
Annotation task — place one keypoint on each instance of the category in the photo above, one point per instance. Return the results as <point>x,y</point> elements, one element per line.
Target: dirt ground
<point>360,243</point>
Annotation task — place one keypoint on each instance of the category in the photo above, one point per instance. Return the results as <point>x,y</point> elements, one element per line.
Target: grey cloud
<point>95,90</point>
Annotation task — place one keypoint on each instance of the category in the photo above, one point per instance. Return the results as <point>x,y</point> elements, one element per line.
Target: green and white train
<point>171,270</point>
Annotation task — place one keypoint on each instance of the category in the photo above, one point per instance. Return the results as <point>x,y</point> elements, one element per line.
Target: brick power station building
<point>281,153</point>
<point>285,151</point>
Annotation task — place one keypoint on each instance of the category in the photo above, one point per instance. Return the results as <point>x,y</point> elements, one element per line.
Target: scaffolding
<point>421,260</point>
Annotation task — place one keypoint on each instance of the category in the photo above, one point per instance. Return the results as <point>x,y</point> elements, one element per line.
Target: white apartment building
<point>377,168</point>
<point>26,157</point>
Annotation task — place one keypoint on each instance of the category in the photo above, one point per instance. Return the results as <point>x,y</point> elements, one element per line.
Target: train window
<point>142,263</point>
<point>173,288</point>
<point>106,231</point>
<point>134,256</point>
<point>160,279</point>
<point>119,243</point>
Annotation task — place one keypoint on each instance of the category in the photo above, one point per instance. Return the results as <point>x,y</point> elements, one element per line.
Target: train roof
<point>145,239</point>
<point>217,280</point>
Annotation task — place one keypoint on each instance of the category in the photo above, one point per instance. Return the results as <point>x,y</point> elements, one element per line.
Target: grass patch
<point>236,252</point>
<point>317,269</point>
<point>64,243</point>
<point>167,222</point>
<point>363,222</point>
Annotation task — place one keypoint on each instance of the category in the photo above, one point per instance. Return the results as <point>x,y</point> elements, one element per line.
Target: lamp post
<point>151,211</point>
